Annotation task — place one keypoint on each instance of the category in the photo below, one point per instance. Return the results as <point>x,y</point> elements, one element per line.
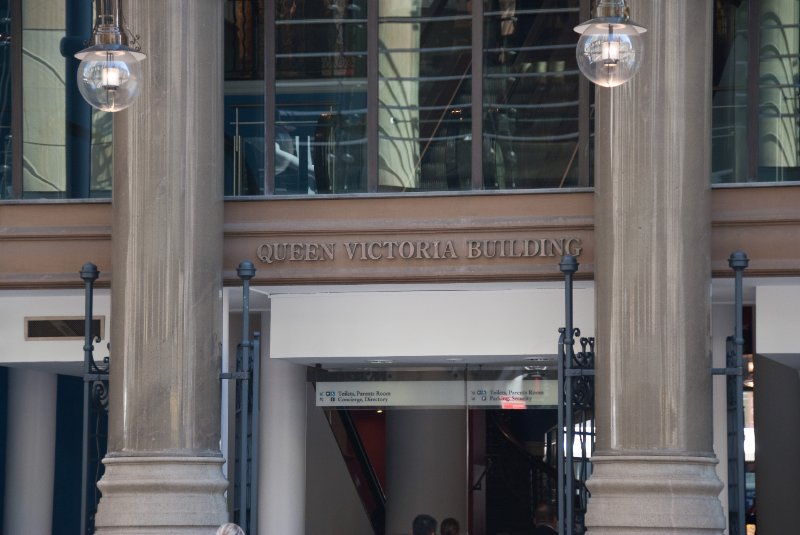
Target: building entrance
<point>471,443</point>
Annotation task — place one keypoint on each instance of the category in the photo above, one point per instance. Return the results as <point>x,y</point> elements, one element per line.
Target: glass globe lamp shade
<point>609,51</point>
<point>108,76</point>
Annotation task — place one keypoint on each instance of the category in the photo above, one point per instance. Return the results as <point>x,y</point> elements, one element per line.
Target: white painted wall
<point>459,323</point>
<point>777,319</point>
<point>16,305</point>
<point>282,446</point>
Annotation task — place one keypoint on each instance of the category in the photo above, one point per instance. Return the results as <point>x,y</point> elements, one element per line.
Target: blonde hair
<point>230,529</point>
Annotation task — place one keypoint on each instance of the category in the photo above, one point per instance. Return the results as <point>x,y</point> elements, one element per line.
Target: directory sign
<point>517,393</point>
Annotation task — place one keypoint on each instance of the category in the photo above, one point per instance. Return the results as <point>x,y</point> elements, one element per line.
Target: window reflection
<point>779,92</point>
<point>320,115</point>
<point>756,108</point>
<point>244,40</point>
<point>43,79</point>
<point>6,185</point>
<point>424,93</point>
<point>52,145</point>
<point>530,100</point>
<point>244,97</point>
<point>729,109</point>
<point>102,154</point>
<point>420,90</point>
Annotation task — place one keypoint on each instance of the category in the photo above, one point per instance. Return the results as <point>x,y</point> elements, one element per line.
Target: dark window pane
<point>244,140</point>
<point>531,99</point>
<point>729,104</point>
<point>6,185</point>
<point>244,97</point>
<point>320,115</point>
<point>320,39</point>
<point>244,40</point>
<point>50,328</point>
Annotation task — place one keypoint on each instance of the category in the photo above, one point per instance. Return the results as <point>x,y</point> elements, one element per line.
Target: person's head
<point>449,526</point>
<point>424,525</point>
<point>544,514</point>
<point>230,529</point>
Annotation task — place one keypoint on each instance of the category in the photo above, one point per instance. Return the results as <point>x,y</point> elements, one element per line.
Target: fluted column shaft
<point>654,465</point>
<point>167,235</point>
<point>167,262</point>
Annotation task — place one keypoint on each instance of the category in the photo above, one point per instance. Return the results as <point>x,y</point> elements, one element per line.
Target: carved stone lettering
<point>270,253</point>
<point>419,250</point>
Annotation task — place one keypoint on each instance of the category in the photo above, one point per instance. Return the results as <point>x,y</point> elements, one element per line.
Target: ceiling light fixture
<point>109,72</point>
<point>610,48</point>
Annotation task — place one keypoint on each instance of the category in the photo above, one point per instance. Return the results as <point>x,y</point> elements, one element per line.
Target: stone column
<point>30,458</point>
<point>654,468</point>
<point>162,473</point>
<point>282,447</point>
<point>426,467</point>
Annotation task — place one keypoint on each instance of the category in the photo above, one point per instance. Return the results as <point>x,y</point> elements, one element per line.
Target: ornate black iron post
<point>247,377</point>
<point>576,388</point>
<point>245,271</point>
<point>95,401</point>
<point>568,267</point>
<point>734,372</point>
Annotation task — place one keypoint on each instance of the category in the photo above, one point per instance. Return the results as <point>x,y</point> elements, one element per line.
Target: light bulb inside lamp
<point>112,75</point>
<point>108,76</point>
<point>610,53</point>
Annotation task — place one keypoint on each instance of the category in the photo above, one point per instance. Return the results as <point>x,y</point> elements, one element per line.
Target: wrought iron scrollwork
<point>583,385</point>
<point>99,390</point>
<point>575,414</point>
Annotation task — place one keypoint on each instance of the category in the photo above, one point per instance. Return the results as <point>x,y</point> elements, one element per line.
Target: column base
<point>148,495</point>
<point>654,495</point>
